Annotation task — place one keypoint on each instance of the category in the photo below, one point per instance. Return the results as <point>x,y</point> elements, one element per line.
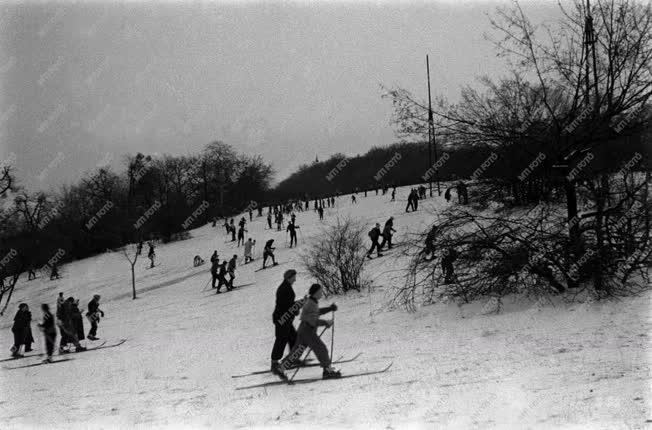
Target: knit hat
<point>289,273</point>
<point>314,288</point>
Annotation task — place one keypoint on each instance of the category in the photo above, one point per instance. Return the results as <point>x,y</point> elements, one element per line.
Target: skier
<point>269,219</point>
<point>374,234</point>
<point>293,232</point>
<point>221,277</point>
<point>241,233</point>
<point>279,221</point>
<point>30,273</point>
<point>447,194</point>
<point>251,216</point>
<point>151,254</point>
<point>387,233</point>
<point>447,265</point>
<point>393,194</point>
<point>321,213</point>
<point>268,252</point>
<point>231,271</point>
<point>353,199</point>
<point>462,193</point>
<point>49,332</point>
<point>77,320</point>
<point>64,320</point>
<point>54,272</point>
<point>430,243</point>
<point>60,301</point>
<point>215,264</point>
<point>22,331</point>
<point>285,310</point>
<point>232,228</point>
<point>307,334</point>
<point>249,244</point>
<point>93,315</point>
<point>139,248</point>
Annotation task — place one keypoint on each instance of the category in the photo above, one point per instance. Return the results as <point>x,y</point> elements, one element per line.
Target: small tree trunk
<point>133,280</point>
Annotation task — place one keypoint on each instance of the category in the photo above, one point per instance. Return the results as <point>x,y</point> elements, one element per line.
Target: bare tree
<point>132,262</point>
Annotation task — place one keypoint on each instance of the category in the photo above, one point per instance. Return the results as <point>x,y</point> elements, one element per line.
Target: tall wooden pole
<point>431,135</point>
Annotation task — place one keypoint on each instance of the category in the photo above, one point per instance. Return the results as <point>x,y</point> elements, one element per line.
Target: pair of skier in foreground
<point>285,311</point>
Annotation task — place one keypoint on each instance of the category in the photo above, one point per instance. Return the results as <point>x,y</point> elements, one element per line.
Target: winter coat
<point>77,321</point>
<point>311,311</point>
<point>374,234</point>
<point>48,325</point>
<point>285,309</point>
<point>21,329</point>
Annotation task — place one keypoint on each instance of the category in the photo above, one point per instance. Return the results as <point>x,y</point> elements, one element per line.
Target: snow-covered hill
<point>532,366</point>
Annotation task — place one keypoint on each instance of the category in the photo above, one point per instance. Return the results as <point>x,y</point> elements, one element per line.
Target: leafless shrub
<point>337,258</point>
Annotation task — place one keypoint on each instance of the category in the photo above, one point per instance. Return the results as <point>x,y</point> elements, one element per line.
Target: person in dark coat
<point>292,228</point>
<point>77,320</point>
<point>447,265</point>
<point>21,330</point>
<point>66,326</point>
<point>388,230</point>
<point>93,315</point>
<point>49,332</point>
<point>285,310</point>
<point>374,234</point>
<point>221,278</point>
<point>268,251</point>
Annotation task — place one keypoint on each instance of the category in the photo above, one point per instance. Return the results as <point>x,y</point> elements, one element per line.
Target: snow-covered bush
<point>336,258</point>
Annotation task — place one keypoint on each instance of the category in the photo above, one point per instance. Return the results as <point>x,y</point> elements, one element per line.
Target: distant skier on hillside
<point>307,336</point>
<point>248,246</point>
<point>374,234</point>
<point>321,213</point>
<point>293,232</point>
<point>430,244</point>
<point>151,255</point>
<point>221,278</point>
<point>94,313</point>
<point>49,330</point>
<point>233,263</point>
<point>387,233</point>
<point>241,236</point>
<point>215,265</point>
<point>285,310</point>
<point>21,330</point>
<point>269,219</point>
<point>393,194</point>
<point>54,272</point>
<point>232,229</point>
<point>268,251</point>
<point>353,199</point>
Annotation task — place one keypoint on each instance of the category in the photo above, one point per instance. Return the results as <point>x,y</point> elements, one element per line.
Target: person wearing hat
<point>285,310</point>
<point>49,332</point>
<point>21,330</point>
<point>93,316</point>
<point>307,334</point>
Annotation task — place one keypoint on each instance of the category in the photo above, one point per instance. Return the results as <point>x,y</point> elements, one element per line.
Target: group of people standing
<point>69,320</point>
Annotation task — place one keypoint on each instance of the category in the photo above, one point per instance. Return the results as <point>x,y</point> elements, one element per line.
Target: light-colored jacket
<point>310,312</point>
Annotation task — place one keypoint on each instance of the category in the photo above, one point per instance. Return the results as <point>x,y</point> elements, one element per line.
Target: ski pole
<point>307,354</point>
<point>333,336</point>
<point>207,282</point>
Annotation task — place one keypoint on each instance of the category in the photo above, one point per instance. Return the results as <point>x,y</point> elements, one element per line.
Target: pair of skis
<point>100,346</point>
<point>310,380</point>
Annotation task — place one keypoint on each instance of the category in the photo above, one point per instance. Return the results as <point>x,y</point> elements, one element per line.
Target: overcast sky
<point>84,84</point>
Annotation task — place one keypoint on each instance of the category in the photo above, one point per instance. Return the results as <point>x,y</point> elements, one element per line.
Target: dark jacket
<point>285,309</point>
<point>374,234</point>
<point>48,325</point>
<point>77,321</point>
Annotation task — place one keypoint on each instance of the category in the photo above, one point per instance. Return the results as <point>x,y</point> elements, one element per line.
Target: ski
<point>269,267</point>
<point>340,360</point>
<point>39,364</point>
<point>310,380</point>
<point>18,358</point>
<point>101,346</point>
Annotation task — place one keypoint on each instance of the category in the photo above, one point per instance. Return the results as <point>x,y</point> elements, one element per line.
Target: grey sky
<point>81,84</point>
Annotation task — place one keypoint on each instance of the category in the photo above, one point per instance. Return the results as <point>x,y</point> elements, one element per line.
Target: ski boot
<point>47,360</point>
<point>331,373</point>
<point>80,348</point>
<point>278,370</point>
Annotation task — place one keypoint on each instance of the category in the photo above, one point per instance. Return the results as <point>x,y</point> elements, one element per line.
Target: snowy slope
<point>532,366</point>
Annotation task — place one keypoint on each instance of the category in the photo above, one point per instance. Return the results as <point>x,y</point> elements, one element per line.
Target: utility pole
<point>431,136</point>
